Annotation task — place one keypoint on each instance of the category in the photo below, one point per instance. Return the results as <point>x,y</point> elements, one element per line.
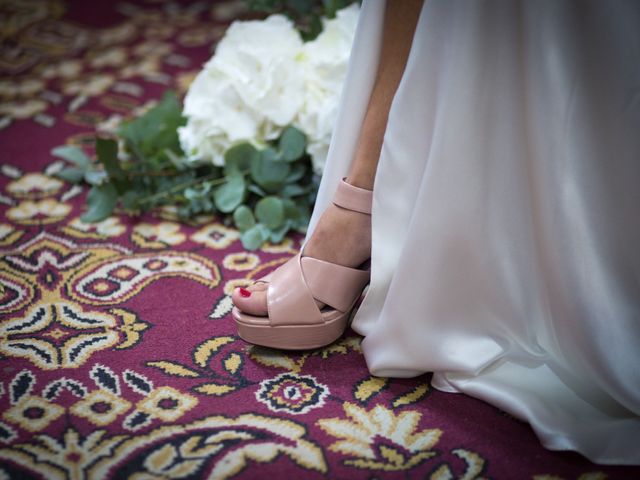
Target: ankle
<point>342,237</point>
<point>362,180</point>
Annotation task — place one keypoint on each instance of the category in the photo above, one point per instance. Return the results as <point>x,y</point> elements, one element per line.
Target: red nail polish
<point>244,292</point>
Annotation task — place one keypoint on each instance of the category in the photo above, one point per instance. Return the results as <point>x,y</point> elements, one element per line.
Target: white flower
<point>327,57</point>
<point>248,91</point>
<point>200,142</point>
<point>325,61</point>
<point>263,78</point>
<point>260,59</point>
<point>214,102</point>
<point>318,151</point>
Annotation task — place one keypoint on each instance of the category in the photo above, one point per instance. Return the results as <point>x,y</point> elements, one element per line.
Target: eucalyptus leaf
<point>302,6</point>
<point>297,212</point>
<point>303,218</point>
<point>298,170</point>
<point>332,6</point>
<point>207,205</point>
<point>230,194</point>
<point>184,212</point>
<point>191,193</point>
<point>101,201</point>
<point>270,212</point>
<point>239,157</point>
<point>291,211</point>
<point>278,234</point>
<point>268,173</point>
<point>72,153</point>
<point>95,177</point>
<point>270,154</point>
<point>243,218</point>
<point>292,144</point>
<point>293,190</point>
<point>253,238</point>
<point>71,174</point>
<point>257,190</point>
<point>314,28</point>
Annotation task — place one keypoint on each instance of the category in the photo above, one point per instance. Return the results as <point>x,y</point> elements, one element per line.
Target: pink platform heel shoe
<point>294,321</point>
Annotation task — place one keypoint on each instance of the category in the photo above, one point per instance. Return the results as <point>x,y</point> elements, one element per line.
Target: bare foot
<point>341,236</point>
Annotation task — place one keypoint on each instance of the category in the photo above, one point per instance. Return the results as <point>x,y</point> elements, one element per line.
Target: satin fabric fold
<point>506,213</point>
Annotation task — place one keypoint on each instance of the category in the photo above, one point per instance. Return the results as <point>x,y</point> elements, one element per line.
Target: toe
<point>251,300</point>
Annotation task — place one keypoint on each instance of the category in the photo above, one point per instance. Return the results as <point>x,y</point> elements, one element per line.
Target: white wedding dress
<point>506,216</point>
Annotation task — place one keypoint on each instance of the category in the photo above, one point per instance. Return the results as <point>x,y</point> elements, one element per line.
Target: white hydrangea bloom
<point>260,59</point>
<point>325,61</point>
<point>247,91</point>
<point>263,78</point>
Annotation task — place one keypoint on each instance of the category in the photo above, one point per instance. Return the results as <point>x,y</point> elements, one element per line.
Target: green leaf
<point>292,144</point>
<point>293,190</point>
<point>278,234</point>
<point>257,190</point>
<point>313,28</point>
<point>253,238</point>
<point>269,173</point>
<point>270,212</point>
<point>150,135</point>
<point>101,201</point>
<point>291,211</point>
<point>107,153</point>
<point>270,154</point>
<point>184,212</point>
<point>297,212</point>
<point>208,206</point>
<point>130,200</point>
<point>301,6</point>
<point>239,157</point>
<point>230,194</point>
<point>332,6</point>
<point>191,193</point>
<point>298,171</point>
<point>303,221</point>
<point>95,177</point>
<point>178,161</point>
<point>71,174</point>
<point>243,218</point>
<point>73,154</point>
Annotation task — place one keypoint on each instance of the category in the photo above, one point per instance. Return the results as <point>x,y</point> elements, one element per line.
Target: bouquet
<point>250,142</point>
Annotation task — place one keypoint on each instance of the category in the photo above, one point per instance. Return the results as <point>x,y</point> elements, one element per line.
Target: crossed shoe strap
<point>296,285</point>
<point>348,197</point>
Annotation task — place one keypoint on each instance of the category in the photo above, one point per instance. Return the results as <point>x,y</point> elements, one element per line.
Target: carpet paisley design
<point>118,356</point>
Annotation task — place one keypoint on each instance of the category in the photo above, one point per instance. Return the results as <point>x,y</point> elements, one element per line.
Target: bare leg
<point>343,236</point>
<point>399,25</point>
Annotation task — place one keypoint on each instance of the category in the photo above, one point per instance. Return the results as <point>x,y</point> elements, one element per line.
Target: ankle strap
<point>353,198</point>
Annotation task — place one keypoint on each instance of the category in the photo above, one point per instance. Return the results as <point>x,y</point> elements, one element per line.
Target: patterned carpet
<point>118,358</point>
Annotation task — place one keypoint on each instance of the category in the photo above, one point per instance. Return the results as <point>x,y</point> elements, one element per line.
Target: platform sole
<point>289,337</point>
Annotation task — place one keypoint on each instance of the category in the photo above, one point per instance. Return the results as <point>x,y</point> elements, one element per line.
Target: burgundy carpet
<point>118,358</point>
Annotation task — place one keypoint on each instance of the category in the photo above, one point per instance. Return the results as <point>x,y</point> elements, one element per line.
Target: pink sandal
<point>295,322</point>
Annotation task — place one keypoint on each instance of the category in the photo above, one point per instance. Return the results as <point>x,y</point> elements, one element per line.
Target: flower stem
<point>211,178</point>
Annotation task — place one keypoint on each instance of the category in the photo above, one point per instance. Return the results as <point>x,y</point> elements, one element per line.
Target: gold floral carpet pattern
<point>118,358</point>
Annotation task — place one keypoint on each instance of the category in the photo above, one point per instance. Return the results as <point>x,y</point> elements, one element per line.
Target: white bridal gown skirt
<point>506,215</point>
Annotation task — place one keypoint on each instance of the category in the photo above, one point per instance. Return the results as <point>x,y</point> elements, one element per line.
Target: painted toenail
<point>244,292</point>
